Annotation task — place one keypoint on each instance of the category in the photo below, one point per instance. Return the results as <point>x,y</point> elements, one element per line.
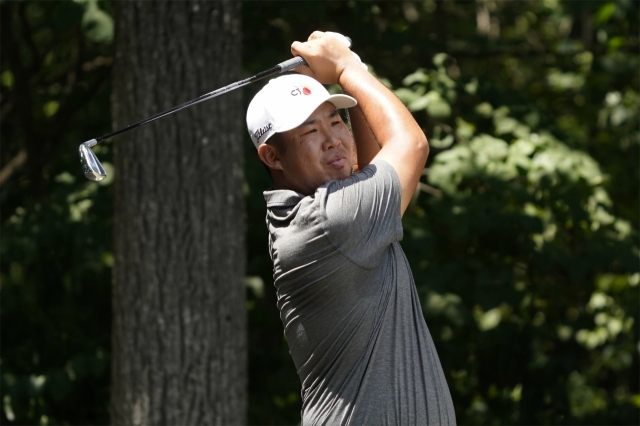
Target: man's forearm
<point>383,114</point>
<point>402,141</point>
<point>367,147</point>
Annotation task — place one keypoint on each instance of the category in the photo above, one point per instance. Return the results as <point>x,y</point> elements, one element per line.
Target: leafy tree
<point>56,226</point>
<point>527,277</point>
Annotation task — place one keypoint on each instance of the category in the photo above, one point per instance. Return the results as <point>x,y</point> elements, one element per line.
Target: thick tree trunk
<point>179,338</point>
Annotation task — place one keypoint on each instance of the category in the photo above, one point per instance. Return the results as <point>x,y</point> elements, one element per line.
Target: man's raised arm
<point>403,143</point>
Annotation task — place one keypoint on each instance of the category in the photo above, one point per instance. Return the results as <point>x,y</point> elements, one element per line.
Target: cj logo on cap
<point>301,89</point>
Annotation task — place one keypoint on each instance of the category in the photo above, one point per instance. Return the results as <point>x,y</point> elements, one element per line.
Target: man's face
<point>317,151</point>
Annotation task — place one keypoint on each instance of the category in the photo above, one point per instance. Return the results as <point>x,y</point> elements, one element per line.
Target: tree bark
<point>179,323</point>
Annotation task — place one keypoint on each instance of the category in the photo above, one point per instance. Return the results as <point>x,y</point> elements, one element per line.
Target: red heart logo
<point>306,91</point>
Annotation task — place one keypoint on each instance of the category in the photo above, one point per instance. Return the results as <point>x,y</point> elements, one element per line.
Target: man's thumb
<point>296,48</point>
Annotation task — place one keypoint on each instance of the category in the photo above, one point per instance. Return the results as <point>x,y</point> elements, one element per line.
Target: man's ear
<point>269,156</point>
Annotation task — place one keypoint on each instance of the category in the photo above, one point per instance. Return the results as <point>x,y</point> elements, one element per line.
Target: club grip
<point>292,63</point>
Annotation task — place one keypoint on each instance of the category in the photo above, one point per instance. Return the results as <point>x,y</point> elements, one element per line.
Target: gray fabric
<point>349,305</point>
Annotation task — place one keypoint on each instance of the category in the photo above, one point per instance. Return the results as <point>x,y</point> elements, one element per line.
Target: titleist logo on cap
<point>261,131</point>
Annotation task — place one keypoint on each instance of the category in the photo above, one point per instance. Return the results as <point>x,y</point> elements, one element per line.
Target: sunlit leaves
<point>471,87</point>
<point>488,320</point>
<point>609,318</point>
<point>420,76</point>
<point>50,108</point>
<point>439,58</point>
<point>526,230</point>
<point>584,60</point>
<point>429,90</point>
<point>560,81</point>
<point>464,129</point>
<point>433,103</point>
<point>605,12</point>
<point>97,24</point>
<point>449,305</point>
<point>583,398</point>
<point>6,78</point>
<point>65,177</point>
<point>440,139</point>
<point>618,109</point>
<point>484,109</point>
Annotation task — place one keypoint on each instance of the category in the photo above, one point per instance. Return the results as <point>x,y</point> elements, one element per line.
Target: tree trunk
<point>179,324</point>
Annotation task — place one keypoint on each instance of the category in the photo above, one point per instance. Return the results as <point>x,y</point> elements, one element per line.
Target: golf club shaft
<point>280,68</point>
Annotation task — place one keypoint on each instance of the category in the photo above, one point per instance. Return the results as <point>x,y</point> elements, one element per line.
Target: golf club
<point>91,166</point>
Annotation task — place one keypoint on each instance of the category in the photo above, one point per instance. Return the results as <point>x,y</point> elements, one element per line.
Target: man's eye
<point>310,131</point>
<point>336,122</point>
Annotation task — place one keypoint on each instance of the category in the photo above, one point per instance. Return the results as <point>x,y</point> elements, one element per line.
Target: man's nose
<point>331,140</point>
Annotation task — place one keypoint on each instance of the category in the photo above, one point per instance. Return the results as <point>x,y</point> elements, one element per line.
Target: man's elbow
<point>422,146</point>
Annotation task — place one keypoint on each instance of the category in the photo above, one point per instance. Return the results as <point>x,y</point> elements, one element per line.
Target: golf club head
<point>91,167</point>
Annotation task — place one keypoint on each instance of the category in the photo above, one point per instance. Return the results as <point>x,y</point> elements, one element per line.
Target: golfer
<point>346,295</point>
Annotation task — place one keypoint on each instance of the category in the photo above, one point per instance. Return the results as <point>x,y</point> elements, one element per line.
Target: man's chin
<point>343,173</point>
<point>337,174</point>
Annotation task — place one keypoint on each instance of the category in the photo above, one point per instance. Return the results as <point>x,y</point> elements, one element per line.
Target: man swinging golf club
<point>346,295</point>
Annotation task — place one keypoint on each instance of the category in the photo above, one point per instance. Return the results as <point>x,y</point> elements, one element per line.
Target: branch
<point>429,189</point>
<point>12,165</point>
<point>88,66</point>
<point>21,92</point>
<point>26,33</point>
<point>74,71</point>
<point>76,100</point>
<point>5,110</point>
<point>98,62</point>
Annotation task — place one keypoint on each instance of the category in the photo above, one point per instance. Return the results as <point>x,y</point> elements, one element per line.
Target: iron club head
<point>91,166</point>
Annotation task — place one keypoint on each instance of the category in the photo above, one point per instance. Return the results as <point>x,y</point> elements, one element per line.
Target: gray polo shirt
<point>349,305</point>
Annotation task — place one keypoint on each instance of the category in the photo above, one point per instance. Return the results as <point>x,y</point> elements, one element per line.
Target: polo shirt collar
<point>282,198</point>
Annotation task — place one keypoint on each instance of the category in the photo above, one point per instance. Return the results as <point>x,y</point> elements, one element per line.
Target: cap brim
<point>339,101</point>
<point>342,101</point>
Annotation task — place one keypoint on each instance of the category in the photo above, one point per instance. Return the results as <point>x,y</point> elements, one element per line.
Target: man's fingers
<point>316,34</point>
<point>304,70</point>
<point>294,48</point>
<point>303,49</point>
<point>297,48</point>
<point>324,56</point>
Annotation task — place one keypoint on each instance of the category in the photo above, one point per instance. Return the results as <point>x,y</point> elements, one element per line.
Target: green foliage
<point>97,24</point>
<point>528,276</point>
<point>56,305</point>
<point>523,240</point>
<point>524,234</point>
<point>55,251</point>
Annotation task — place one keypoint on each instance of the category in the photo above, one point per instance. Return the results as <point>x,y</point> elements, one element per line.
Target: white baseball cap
<point>285,103</point>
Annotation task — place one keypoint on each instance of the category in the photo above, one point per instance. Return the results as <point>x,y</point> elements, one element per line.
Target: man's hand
<point>327,57</point>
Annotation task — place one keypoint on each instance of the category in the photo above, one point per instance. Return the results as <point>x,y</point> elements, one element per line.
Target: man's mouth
<point>337,161</point>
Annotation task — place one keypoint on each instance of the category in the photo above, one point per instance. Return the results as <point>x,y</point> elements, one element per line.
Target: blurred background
<point>523,236</point>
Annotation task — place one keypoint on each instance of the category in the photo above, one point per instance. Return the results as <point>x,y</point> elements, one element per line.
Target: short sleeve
<point>361,214</point>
